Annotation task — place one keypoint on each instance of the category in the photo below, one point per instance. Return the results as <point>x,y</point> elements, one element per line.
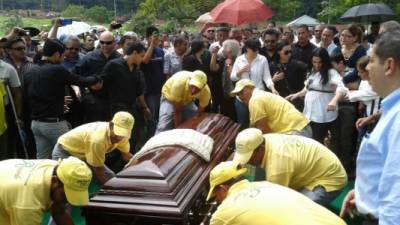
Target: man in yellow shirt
<point>91,142</point>
<point>260,203</point>
<point>178,96</point>
<point>297,162</point>
<point>29,187</point>
<point>271,113</point>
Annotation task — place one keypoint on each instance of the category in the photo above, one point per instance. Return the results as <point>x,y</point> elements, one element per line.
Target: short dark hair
<point>150,30</point>
<point>196,45</point>
<point>253,44</point>
<point>281,44</point>
<point>223,29</point>
<point>273,32</point>
<point>331,28</point>
<point>303,26</point>
<point>52,46</point>
<point>179,40</point>
<point>388,46</point>
<point>12,41</point>
<point>135,47</point>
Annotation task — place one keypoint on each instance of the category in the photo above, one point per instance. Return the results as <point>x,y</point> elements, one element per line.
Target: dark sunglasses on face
<point>20,49</point>
<point>270,41</point>
<point>76,49</point>
<point>106,42</point>
<point>287,52</point>
<point>209,31</point>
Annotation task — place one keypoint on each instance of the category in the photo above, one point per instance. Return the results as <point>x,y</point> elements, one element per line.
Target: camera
<point>22,32</point>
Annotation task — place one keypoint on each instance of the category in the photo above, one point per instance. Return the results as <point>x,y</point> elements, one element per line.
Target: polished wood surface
<point>167,185</point>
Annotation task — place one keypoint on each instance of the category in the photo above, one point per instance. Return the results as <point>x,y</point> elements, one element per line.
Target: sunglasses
<point>209,31</point>
<point>270,41</point>
<point>106,42</point>
<point>76,49</point>
<point>19,49</point>
<point>287,52</point>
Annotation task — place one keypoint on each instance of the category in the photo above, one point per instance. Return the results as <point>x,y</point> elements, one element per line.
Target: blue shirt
<point>377,188</point>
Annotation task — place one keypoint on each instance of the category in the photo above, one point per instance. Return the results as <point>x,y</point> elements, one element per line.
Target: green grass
<point>41,24</point>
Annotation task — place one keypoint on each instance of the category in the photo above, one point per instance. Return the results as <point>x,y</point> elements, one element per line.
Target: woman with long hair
<point>323,89</point>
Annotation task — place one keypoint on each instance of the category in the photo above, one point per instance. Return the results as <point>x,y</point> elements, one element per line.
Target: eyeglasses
<point>20,49</point>
<point>287,52</point>
<point>106,42</point>
<point>76,49</point>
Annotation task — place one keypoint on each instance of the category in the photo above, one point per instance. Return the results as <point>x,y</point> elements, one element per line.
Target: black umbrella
<point>369,13</point>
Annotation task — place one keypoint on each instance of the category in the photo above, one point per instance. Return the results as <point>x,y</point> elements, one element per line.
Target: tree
<point>98,14</point>
<point>74,11</point>
<point>145,16</point>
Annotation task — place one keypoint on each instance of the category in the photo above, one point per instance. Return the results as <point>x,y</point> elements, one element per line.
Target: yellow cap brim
<point>234,175</point>
<point>196,83</point>
<point>123,132</point>
<point>77,198</point>
<point>236,90</point>
<point>242,158</point>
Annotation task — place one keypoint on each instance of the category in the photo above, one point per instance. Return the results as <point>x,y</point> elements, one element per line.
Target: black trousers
<point>320,130</point>
<point>371,222</point>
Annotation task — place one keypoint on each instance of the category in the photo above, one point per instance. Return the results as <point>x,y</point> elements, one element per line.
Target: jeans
<point>153,102</point>
<point>242,114</point>
<point>166,119</point>
<point>320,195</point>
<point>46,136</point>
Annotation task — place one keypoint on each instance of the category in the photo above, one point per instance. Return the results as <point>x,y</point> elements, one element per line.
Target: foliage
<point>98,14</point>
<point>333,9</point>
<point>11,22</point>
<point>145,16</point>
<point>73,11</point>
<point>284,9</point>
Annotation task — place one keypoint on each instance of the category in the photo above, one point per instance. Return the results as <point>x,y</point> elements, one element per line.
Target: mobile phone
<point>65,22</point>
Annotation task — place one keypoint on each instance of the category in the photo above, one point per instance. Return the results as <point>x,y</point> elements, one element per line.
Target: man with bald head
<point>96,104</point>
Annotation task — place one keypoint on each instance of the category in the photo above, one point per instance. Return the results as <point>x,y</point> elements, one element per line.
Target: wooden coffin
<point>168,185</point>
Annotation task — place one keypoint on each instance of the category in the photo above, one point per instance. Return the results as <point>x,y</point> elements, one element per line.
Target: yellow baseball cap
<point>123,124</point>
<point>198,79</point>
<point>76,177</point>
<point>246,142</point>
<point>242,84</point>
<point>222,173</point>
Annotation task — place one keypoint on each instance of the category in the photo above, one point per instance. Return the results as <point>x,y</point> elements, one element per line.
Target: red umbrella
<point>241,11</point>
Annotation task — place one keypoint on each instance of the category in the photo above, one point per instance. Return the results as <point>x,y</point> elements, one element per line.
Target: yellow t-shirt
<point>261,203</point>
<point>25,190</point>
<point>299,162</point>
<point>176,89</point>
<point>3,122</point>
<point>281,115</point>
<point>91,142</point>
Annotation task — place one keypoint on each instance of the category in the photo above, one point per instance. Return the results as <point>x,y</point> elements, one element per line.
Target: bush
<point>73,11</point>
<point>11,22</point>
<point>98,14</point>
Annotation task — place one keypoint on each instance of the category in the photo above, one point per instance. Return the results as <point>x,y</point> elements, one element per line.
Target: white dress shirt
<point>259,71</point>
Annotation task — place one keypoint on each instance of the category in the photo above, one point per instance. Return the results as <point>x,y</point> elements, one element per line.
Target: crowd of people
<point>311,96</point>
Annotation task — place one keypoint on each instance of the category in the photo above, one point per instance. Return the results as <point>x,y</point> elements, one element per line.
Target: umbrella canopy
<point>369,13</point>
<point>204,19</point>
<point>306,20</point>
<point>75,28</point>
<point>239,12</point>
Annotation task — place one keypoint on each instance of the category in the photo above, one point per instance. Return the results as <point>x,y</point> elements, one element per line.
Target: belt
<point>50,119</point>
